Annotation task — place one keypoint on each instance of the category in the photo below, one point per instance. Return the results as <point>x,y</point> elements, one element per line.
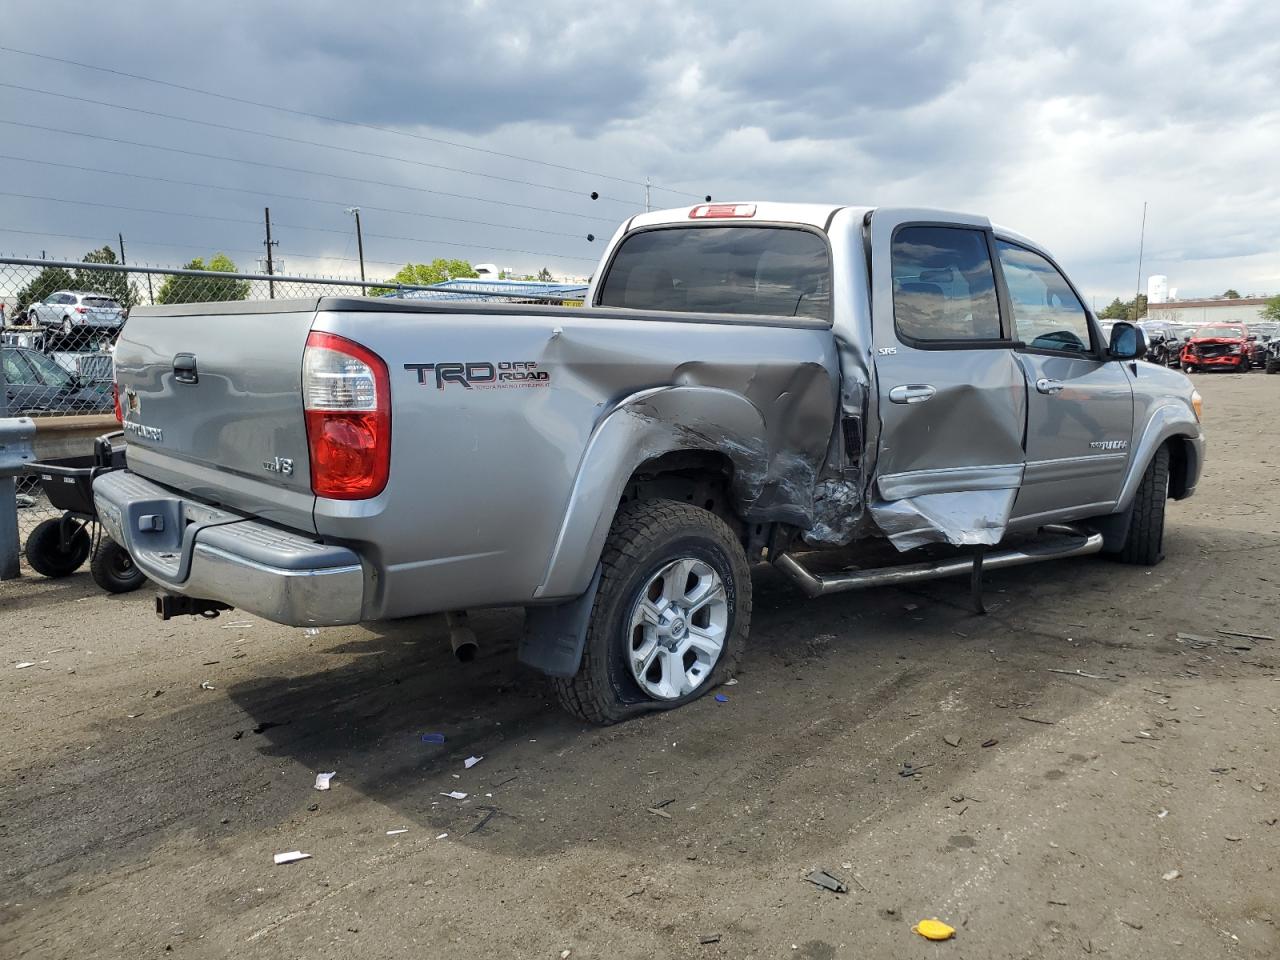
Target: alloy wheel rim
<point>677,629</point>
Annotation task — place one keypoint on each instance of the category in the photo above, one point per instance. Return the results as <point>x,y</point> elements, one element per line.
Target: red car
<point>1219,346</point>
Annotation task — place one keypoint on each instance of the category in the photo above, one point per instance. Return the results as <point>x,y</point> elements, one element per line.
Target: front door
<point>952,395</point>
<point>1080,412</point>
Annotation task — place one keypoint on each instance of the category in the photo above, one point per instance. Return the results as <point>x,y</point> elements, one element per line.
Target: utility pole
<point>127,289</point>
<point>359,238</point>
<point>647,183</point>
<point>1142,236</point>
<point>271,286</point>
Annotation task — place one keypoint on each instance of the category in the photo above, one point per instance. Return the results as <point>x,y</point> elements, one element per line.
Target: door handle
<point>1045,385</point>
<point>912,393</point>
<point>184,368</point>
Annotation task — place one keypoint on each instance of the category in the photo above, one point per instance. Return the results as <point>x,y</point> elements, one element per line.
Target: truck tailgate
<point>212,404</point>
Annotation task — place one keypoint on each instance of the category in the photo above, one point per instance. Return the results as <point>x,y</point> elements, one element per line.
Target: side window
<point>944,287</point>
<point>16,370</point>
<point>1047,315</point>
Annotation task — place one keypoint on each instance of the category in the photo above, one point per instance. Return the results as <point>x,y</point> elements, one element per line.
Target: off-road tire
<point>113,569</point>
<point>1144,544</point>
<point>45,554</point>
<point>646,535</point>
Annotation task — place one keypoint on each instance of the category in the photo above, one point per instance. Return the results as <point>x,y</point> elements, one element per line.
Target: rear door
<point>952,396</point>
<point>1080,413</point>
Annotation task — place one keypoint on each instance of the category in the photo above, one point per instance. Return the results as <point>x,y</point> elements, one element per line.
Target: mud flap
<point>554,635</point>
<point>965,519</point>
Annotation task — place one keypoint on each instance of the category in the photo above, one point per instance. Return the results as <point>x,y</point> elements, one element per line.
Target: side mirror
<point>1127,342</point>
<point>1252,336</point>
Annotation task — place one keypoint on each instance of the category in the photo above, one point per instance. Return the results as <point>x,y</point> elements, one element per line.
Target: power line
<point>351,123</point>
<point>257,163</point>
<point>291,226</point>
<point>315,143</point>
<point>339,203</point>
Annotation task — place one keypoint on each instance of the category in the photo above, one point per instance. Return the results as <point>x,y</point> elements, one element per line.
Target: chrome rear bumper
<point>195,550</point>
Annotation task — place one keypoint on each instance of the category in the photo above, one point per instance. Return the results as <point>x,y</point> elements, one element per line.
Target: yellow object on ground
<point>934,929</point>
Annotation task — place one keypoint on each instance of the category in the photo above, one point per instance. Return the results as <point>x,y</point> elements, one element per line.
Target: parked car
<point>34,383</point>
<point>73,316</point>
<point>1273,355</point>
<point>1164,343</point>
<point>1218,346</point>
<point>1264,333</point>
<point>725,399</point>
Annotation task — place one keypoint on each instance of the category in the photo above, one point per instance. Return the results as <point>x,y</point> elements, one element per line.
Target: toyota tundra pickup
<point>748,382</point>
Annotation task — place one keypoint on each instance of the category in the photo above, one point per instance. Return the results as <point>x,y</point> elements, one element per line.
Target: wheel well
<point>699,477</point>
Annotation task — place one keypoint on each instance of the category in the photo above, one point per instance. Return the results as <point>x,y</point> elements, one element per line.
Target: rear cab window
<point>102,303</point>
<point>755,270</point>
<point>944,287</point>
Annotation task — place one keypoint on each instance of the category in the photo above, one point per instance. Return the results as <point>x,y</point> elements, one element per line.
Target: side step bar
<point>1081,544</point>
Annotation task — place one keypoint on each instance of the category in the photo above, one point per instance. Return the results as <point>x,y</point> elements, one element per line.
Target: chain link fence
<point>59,321</point>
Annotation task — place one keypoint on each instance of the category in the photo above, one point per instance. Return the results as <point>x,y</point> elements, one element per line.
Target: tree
<point>47,281</point>
<point>1271,310</point>
<point>180,289</point>
<point>1231,294</point>
<point>426,274</point>
<point>1115,310</point>
<point>544,275</point>
<point>109,283</point>
<point>1119,309</point>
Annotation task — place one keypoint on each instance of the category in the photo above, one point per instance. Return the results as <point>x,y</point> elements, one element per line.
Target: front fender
<point>641,427</point>
<point>1171,420</point>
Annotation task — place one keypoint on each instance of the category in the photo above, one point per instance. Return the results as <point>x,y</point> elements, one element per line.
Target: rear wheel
<point>113,569</point>
<point>47,554</point>
<point>1144,544</point>
<point>670,617</point>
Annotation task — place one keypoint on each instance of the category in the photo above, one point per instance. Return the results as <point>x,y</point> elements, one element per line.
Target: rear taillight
<point>115,399</point>
<point>346,396</point>
<point>82,309</point>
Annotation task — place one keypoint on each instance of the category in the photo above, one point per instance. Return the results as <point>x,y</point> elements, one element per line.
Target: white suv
<point>72,314</point>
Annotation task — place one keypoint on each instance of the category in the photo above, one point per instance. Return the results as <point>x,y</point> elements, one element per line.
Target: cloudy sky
<point>1056,119</point>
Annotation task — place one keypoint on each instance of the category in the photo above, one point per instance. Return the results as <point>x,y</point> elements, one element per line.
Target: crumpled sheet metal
<point>965,519</point>
<point>837,514</point>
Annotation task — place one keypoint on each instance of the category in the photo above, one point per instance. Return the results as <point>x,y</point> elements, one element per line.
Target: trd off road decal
<point>482,374</point>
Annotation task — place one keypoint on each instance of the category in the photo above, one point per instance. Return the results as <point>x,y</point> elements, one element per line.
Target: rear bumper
<point>199,551</point>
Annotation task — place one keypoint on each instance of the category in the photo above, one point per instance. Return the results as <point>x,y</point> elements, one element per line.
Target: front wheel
<point>670,617</point>
<point>1188,368</point>
<point>1273,366</point>
<point>1144,544</point>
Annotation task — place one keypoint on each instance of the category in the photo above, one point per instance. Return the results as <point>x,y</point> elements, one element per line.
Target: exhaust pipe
<point>170,605</point>
<point>1081,544</point>
<point>461,637</point>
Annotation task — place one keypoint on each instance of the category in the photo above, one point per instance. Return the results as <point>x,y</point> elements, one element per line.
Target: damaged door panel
<point>952,396</point>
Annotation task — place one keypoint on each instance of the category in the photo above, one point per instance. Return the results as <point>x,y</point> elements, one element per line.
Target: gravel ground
<point>140,811</point>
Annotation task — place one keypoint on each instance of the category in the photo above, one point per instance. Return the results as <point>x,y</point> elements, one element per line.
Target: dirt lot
<point>140,811</point>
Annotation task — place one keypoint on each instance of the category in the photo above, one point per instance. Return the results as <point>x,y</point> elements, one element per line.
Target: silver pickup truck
<point>748,382</point>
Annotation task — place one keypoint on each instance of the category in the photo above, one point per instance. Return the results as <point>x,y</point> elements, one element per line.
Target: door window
<point>944,287</point>
<point>48,371</point>
<point>16,371</point>
<point>1047,315</point>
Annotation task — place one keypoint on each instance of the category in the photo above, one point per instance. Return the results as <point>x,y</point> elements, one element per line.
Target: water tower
<point>1157,289</point>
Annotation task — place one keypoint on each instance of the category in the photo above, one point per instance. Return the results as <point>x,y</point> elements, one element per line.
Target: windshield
<point>50,374</point>
<point>771,271</point>
<point>1236,333</point>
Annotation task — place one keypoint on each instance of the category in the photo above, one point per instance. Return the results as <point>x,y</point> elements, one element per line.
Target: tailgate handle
<point>184,368</point>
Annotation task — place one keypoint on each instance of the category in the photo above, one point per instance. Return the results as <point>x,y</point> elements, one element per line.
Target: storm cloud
<point>1057,120</point>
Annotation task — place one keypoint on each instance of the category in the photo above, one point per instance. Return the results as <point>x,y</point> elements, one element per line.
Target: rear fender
<point>646,425</point>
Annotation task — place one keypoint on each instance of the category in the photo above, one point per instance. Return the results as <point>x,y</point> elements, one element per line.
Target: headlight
<point>1197,404</point>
